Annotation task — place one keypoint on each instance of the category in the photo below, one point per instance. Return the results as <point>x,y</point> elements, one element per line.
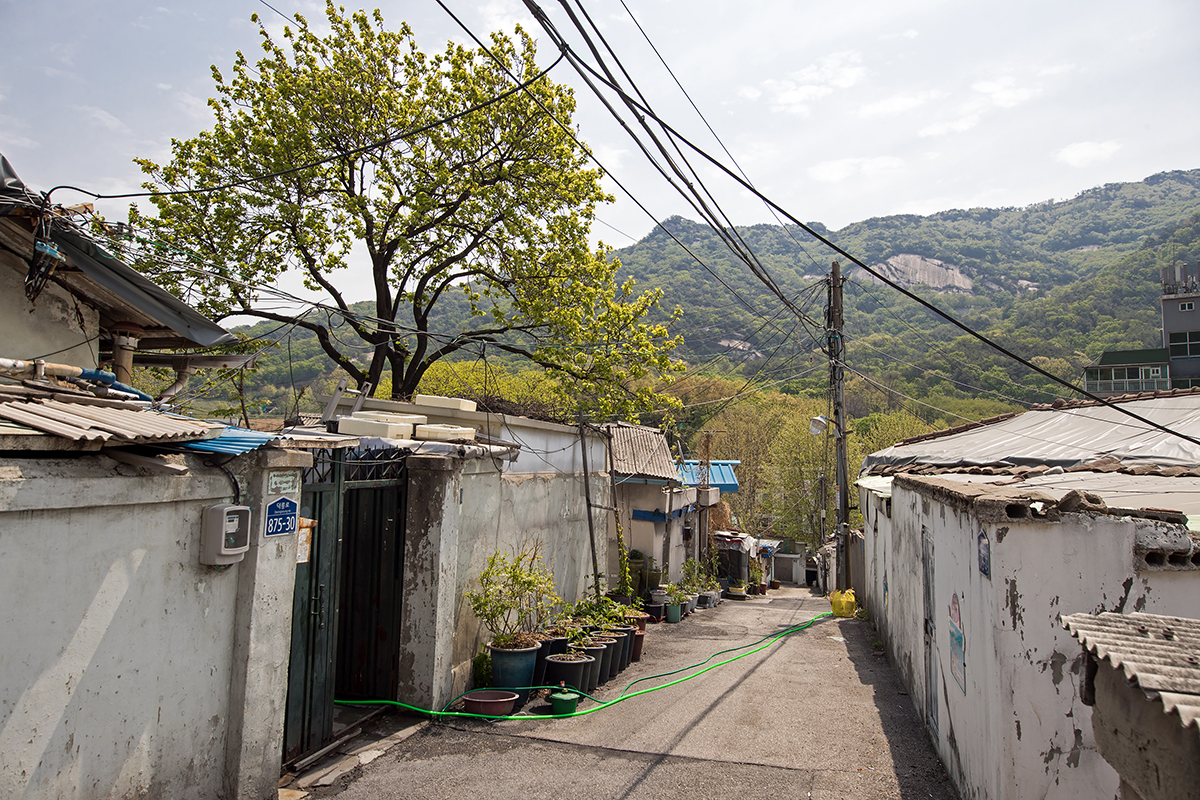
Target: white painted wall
<point>55,322</point>
<point>1018,730</point>
<point>502,509</point>
<point>127,668</point>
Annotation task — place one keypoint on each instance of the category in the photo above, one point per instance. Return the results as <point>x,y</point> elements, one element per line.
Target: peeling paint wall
<point>1017,728</point>
<point>128,669</point>
<point>503,509</point>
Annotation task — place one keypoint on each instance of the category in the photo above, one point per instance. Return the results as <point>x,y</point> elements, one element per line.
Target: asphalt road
<point>819,714</point>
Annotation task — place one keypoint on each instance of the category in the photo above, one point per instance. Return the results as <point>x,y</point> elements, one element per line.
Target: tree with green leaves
<point>479,197</point>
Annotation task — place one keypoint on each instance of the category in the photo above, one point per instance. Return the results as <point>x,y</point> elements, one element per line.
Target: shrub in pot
<point>515,599</point>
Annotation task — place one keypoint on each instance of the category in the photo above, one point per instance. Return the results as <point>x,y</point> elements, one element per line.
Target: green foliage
<point>693,576</point>
<point>491,208</point>
<point>516,594</point>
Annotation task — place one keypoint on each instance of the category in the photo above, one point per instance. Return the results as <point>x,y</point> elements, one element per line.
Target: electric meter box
<point>225,534</point>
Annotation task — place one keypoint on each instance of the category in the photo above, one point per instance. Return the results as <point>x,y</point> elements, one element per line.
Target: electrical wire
<point>639,108</point>
<point>521,86</point>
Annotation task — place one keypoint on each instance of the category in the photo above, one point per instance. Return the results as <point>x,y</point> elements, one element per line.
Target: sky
<point>838,111</point>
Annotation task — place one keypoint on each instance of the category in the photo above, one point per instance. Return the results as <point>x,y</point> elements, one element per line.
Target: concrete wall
<point>1016,727</point>
<point>459,513</point>
<point>128,669</point>
<point>55,322</point>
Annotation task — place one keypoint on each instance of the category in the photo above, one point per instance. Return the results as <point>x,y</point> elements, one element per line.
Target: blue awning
<point>720,474</point>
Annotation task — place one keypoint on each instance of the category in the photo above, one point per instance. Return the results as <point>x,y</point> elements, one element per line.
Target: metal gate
<point>368,652</point>
<point>309,720</point>
<point>346,605</point>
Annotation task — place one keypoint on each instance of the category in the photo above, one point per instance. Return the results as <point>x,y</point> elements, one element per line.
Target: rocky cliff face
<point>912,270</point>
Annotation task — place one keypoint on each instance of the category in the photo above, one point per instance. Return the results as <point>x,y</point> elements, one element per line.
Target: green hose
<point>758,645</point>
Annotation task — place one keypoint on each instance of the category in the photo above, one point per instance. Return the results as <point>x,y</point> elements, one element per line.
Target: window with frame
<point>1184,344</point>
<point>1189,306</point>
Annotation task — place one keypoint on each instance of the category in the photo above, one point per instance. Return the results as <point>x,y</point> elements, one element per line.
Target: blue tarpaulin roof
<point>720,474</point>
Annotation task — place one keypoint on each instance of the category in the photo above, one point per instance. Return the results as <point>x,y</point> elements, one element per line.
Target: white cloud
<point>499,15</point>
<point>1080,154</point>
<point>1056,69</point>
<point>795,93</point>
<point>1004,93</point>
<point>963,123</point>
<point>843,168</point>
<point>194,107</point>
<point>908,34</point>
<point>163,86</point>
<point>104,118</point>
<point>897,104</point>
<point>51,72</point>
<point>749,92</point>
<point>9,136</point>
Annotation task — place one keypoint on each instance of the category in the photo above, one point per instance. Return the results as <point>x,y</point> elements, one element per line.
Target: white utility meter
<point>225,534</point>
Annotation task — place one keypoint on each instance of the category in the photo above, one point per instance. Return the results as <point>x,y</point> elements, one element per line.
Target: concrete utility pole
<point>837,352</point>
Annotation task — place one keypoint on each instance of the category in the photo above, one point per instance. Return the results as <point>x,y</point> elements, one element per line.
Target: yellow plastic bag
<point>842,602</point>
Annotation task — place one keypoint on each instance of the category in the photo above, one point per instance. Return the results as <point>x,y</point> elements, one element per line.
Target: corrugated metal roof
<point>233,441</point>
<point>88,420</point>
<point>720,475</point>
<point>1160,654</point>
<point>643,451</point>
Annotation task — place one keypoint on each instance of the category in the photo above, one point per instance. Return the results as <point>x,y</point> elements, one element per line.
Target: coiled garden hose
<point>758,646</point>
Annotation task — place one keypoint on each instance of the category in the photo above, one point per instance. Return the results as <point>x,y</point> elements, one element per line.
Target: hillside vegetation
<point>1057,282</point>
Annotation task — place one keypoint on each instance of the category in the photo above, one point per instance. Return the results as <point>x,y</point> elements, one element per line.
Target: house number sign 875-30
<point>281,517</point>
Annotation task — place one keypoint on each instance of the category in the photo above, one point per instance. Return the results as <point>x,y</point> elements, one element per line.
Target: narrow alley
<point>820,714</point>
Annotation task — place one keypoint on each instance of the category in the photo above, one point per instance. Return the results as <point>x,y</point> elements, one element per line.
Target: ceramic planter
<point>567,669</point>
<point>674,612</point>
<point>659,597</point>
<point>775,584</point>
<point>513,670</point>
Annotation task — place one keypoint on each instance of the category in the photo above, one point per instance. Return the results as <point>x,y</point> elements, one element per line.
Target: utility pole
<point>837,352</point>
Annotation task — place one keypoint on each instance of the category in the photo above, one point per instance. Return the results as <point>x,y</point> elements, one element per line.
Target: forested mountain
<point>1056,282</point>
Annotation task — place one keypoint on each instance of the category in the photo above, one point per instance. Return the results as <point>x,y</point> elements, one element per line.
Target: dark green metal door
<point>309,720</point>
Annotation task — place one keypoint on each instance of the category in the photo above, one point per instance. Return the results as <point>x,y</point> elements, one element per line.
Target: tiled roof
<point>1159,654</point>
<point>642,451</point>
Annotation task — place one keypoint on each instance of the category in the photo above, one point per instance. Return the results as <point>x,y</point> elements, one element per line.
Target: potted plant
<point>756,577</point>
<point>735,590</point>
<point>678,600</point>
<point>637,563</point>
<point>651,574</point>
<point>624,590</point>
<point>515,598</point>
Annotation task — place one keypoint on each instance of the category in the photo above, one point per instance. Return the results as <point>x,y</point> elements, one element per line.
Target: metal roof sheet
<point>85,421</point>
<point>639,450</point>
<point>1067,436</point>
<point>233,441</point>
<point>720,474</point>
<point>1160,654</point>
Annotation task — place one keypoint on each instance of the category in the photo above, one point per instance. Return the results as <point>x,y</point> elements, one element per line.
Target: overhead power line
<point>642,109</point>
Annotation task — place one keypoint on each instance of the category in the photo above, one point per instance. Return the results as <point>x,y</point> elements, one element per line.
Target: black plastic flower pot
<point>567,669</point>
<point>610,647</point>
<point>592,676</point>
